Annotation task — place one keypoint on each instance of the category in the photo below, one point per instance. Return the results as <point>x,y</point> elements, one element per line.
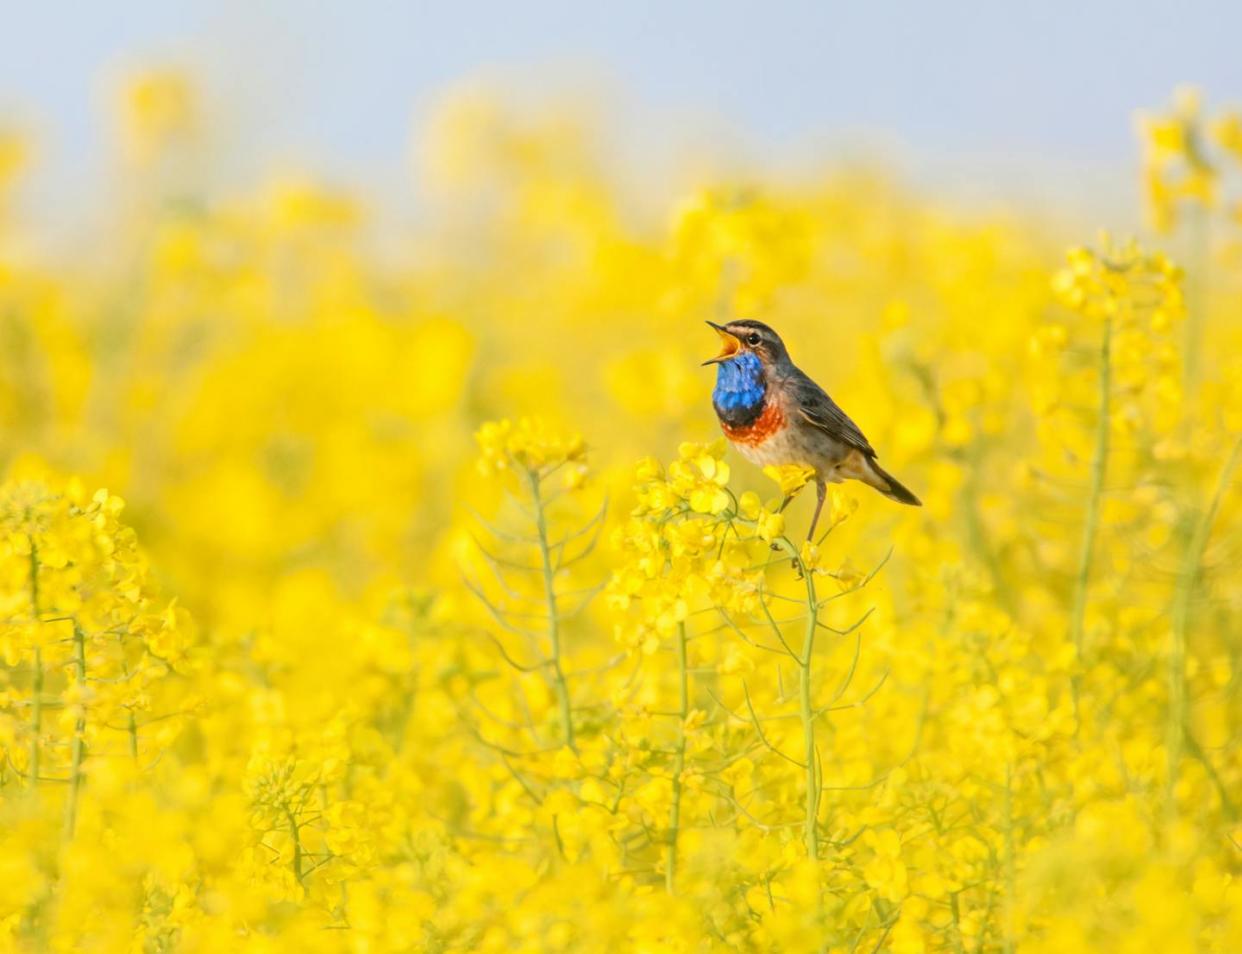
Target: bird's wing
<point>819,409</point>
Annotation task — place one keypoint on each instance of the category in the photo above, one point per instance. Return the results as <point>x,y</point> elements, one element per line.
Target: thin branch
<point>759,730</point>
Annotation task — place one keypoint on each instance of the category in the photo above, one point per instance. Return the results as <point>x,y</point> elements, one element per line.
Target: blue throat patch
<point>739,384</point>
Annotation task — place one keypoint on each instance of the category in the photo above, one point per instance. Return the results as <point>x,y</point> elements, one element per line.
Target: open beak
<point>730,341</point>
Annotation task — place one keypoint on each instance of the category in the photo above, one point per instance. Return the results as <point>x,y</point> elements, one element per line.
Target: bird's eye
<point>753,339</point>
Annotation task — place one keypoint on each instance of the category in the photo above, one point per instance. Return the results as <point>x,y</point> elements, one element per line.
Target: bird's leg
<point>821,490</point>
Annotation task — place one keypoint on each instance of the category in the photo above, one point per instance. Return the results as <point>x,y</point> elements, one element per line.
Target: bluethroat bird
<point>774,414</point>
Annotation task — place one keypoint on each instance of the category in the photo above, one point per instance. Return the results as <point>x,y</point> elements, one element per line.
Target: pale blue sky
<point>970,90</point>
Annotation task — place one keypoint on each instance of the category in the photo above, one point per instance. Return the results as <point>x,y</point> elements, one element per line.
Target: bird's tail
<point>873,475</point>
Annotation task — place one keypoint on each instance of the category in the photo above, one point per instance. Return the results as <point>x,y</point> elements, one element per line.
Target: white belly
<point>792,445</point>
<point>777,450</point>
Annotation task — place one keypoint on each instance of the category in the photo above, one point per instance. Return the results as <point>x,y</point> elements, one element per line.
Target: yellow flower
<point>885,872</point>
<point>1118,281</point>
<point>789,477</point>
<point>1177,167</point>
<point>158,108</point>
<point>407,721</point>
<point>14,155</point>
<point>529,444</point>
<point>1227,131</point>
<point>770,525</point>
<point>810,556</point>
<point>749,506</point>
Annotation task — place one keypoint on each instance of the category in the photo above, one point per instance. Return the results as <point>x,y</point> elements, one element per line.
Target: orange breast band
<point>760,429</point>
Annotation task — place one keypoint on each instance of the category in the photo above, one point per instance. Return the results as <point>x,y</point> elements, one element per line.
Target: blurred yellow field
<point>426,610</point>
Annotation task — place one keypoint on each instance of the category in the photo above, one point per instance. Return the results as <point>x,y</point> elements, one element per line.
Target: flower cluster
<point>89,653</point>
<point>528,445</point>
<point>1185,156</point>
<point>1133,301</point>
<point>683,545</point>
<point>1119,281</point>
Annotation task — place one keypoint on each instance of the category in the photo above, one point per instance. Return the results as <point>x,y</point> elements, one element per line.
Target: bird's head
<point>747,336</point>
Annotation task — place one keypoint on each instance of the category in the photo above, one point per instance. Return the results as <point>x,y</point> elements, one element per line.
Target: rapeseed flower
<point>364,648</point>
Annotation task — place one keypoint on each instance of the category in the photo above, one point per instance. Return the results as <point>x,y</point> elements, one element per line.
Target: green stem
<point>679,760</point>
<point>1183,598</point>
<point>970,495</point>
<point>1196,312</point>
<point>133,736</point>
<point>1099,469</point>
<point>808,725</point>
<point>806,712</point>
<point>78,745</point>
<point>1010,877</point>
<point>36,681</point>
<point>296,834</point>
<point>560,684</point>
<point>36,715</point>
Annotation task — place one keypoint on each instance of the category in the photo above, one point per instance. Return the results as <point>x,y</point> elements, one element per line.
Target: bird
<point>774,414</point>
